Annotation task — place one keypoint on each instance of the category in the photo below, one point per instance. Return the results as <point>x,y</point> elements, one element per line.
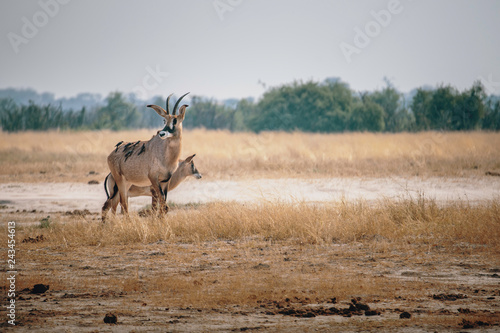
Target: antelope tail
<point>115,188</point>
<point>106,185</point>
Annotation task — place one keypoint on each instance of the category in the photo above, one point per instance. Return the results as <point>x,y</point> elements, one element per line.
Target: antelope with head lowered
<point>150,163</point>
<point>185,169</point>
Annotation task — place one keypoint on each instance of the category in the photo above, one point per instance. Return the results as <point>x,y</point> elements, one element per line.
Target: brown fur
<point>185,169</point>
<point>154,165</point>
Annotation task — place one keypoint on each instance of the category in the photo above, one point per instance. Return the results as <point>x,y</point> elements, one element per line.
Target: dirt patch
<point>254,285</point>
<point>302,308</point>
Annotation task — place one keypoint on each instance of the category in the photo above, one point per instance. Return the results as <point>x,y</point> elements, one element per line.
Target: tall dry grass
<point>71,156</point>
<point>410,221</point>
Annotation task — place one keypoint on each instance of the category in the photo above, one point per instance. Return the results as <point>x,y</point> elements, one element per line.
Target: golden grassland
<point>221,261</point>
<point>226,266</point>
<point>76,156</point>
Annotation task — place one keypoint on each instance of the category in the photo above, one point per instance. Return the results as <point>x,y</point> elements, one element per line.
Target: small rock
<point>93,182</point>
<point>309,315</point>
<point>110,318</point>
<point>405,315</point>
<point>39,288</point>
<point>362,307</point>
<point>372,313</point>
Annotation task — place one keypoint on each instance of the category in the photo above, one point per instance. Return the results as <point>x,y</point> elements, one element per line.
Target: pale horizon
<point>237,49</point>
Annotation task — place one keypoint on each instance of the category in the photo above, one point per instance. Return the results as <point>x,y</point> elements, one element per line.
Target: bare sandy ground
<point>55,197</point>
<point>441,293</point>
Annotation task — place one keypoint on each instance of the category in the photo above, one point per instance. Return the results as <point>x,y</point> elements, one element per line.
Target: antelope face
<point>172,121</point>
<point>169,129</point>
<point>188,165</point>
<point>196,174</point>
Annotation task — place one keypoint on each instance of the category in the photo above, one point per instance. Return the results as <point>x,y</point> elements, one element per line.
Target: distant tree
<point>389,100</point>
<point>245,109</point>
<point>404,120</point>
<point>491,120</point>
<point>469,108</point>
<point>420,107</point>
<point>338,105</point>
<point>328,106</point>
<point>117,114</point>
<point>10,117</point>
<point>367,115</point>
<point>208,113</point>
<point>308,106</point>
<point>443,103</point>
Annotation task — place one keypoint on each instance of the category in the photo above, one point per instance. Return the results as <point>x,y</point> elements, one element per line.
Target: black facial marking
<point>167,129</point>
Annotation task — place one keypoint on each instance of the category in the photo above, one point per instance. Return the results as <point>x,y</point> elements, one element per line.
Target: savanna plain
<point>411,262</point>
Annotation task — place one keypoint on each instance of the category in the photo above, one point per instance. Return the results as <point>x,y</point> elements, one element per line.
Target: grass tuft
<point>406,221</point>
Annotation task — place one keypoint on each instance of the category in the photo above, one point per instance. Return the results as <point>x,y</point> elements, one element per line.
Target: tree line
<point>328,106</point>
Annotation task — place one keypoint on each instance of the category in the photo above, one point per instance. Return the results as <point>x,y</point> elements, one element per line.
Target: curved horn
<point>168,100</point>
<point>158,110</point>
<point>177,104</point>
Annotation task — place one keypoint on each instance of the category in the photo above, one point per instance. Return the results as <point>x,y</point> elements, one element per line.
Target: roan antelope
<point>150,163</point>
<point>185,169</point>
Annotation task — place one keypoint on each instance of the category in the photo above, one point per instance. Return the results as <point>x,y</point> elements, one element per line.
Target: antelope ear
<point>182,112</point>
<point>158,110</point>
<point>189,159</point>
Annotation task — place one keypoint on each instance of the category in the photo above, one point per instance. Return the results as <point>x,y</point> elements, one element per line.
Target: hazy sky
<point>232,48</point>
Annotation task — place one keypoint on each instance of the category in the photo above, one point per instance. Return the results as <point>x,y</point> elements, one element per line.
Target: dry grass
<point>387,223</point>
<point>70,156</point>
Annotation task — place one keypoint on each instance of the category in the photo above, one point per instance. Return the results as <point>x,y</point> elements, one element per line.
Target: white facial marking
<point>171,124</point>
<point>164,134</point>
